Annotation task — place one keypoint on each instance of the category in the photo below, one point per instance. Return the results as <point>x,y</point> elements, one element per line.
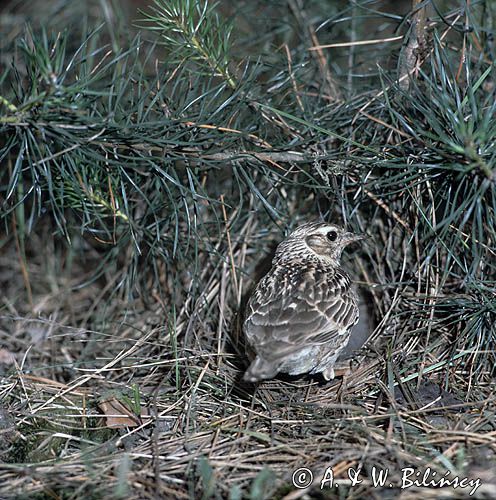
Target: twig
<point>358,42</point>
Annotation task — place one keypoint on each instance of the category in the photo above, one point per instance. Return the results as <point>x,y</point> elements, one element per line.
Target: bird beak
<point>348,238</point>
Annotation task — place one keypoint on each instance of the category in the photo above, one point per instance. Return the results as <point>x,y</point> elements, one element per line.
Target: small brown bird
<point>300,314</point>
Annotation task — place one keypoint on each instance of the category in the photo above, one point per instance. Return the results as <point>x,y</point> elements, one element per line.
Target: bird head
<point>320,240</point>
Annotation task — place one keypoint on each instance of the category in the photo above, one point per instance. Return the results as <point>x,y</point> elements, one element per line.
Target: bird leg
<point>328,373</point>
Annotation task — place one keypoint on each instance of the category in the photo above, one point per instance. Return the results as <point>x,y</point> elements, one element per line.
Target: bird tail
<point>260,369</point>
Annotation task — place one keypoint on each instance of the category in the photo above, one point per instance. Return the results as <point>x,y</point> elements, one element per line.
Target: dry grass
<point>189,427</point>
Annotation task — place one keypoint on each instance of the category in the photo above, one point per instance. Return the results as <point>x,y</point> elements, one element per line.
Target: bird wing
<point>296,306</point>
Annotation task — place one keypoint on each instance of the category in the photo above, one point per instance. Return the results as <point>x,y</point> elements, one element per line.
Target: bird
<point>301,312</point>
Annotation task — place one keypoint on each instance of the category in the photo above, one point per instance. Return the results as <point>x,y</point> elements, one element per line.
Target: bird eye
<point>332,235</point>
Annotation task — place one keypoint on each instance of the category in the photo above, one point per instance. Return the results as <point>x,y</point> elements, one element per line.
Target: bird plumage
<point>300,314</point>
